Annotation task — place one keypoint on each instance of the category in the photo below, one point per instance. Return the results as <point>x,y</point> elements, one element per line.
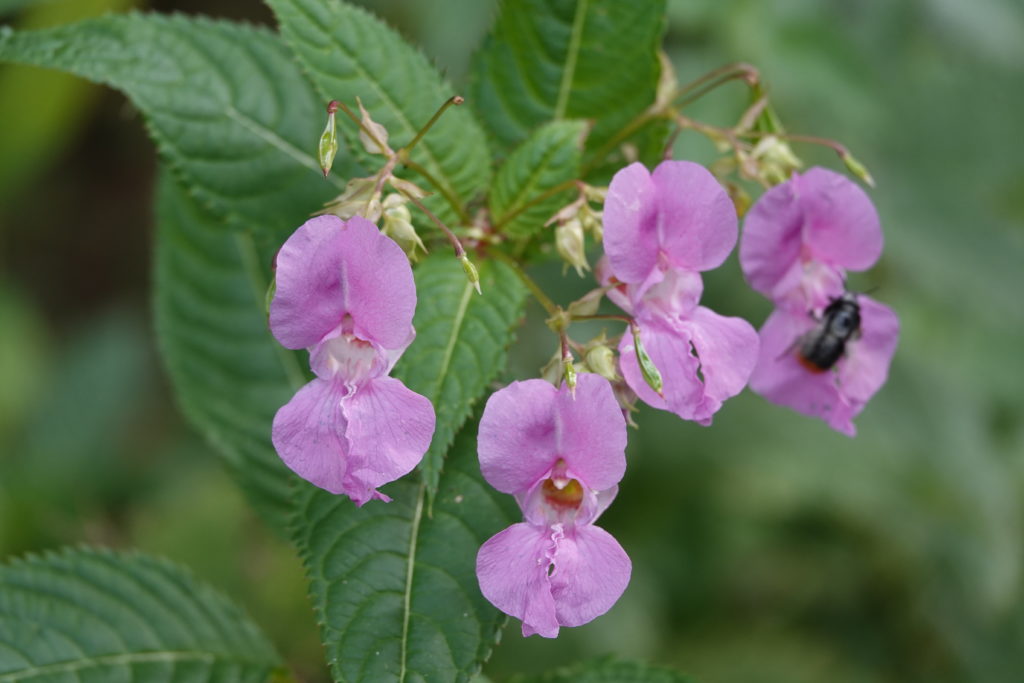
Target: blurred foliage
<point>766,548</point>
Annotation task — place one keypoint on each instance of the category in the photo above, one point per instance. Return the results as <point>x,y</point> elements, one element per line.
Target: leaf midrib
<point>575,40</point>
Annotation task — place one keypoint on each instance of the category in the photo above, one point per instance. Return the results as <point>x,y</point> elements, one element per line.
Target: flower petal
<point>727,349</point>
<point>820,216</point>
<point>309,434</point>
<point>389,429</point>
<point>516,442</point>
<point>866,366</point>
<point>841,225</point>
<point>308,302</point>
<point>512,568</point>
<point>772,240</point>
<point>591,432</point>
<point>329,268</point>
<point>631,224</point>
<point>377,282</point>
<point>780,377</point>
<point>591,573</point>
<point>697,224</point>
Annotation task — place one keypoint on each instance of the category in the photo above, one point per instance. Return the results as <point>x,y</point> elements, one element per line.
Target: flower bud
<point>594,193</point>
<point>552,370</point>
<point>569,375</point>
<point>328,146</point>
<point>647,367</point>
<point>360,198</point>
<point>398,226</point>
<point>858,169</point>
<point>408,189</point>
<point>601,359</point>
<point>586,304</point>
<point>775,160</point>
<point>471,272</point>
<point>570,244</point>
<point>378,142</point>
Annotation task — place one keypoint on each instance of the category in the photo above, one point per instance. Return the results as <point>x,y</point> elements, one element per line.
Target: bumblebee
<point>822,347</point>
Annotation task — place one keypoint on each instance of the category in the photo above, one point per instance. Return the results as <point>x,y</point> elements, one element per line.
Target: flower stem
<point>453,100</point>
<point>603,316</point>
<point>456,244</point>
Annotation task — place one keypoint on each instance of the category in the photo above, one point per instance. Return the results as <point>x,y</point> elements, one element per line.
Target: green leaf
<point>97,615</point>
<point>608,670</point>
<point>461,343</point>
<point>395,589</point>
<point>568,59</point>
<point>228,108</point>
<point>229,374</point>
<point>547,159</point>
<point>349,53</point>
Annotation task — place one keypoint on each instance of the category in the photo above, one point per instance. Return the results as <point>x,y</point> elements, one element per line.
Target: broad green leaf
<point>96,615</point>
<point>461,342</point>
<point>349,53</point>
<point>548,158</point>
<point>229,374</point>
<point>568,59</point>
<point>394,587</point>
<point>608,670</point>
<point>228,108</point>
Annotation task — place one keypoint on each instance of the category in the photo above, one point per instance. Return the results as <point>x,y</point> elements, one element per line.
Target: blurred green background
<point>767,548</point>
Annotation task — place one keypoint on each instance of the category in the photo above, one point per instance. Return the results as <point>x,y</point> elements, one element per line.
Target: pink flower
<point>562,458</point>
<point>800,237</point>
<point>678,217</point>
<point>660,230</point>
<point>799,240</point>
<point>346,293</point>
<point>838,394</point>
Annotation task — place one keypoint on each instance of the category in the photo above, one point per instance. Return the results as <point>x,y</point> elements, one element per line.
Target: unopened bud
<point>858,169</point>
<point>566,213</point>
<point>569,375</point>
<point>397,225</point>
<point>586,304</point>
<point>328,146</point>
<point>360,198</point>
<point>647,367</point>
<point>552,370</point>
<point>775,160</point>
<point>570,244</point>
<point>377,143</point>
<point>471,272</point>
<point>407,188</point>
<point>601,359</point>
<point>594,193</point>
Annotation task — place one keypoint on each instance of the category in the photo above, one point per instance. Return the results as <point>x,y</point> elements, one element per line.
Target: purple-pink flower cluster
<point>346,293</point>
<point>799,240</point>
<point>661,231</point>
<point>562,457</point>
